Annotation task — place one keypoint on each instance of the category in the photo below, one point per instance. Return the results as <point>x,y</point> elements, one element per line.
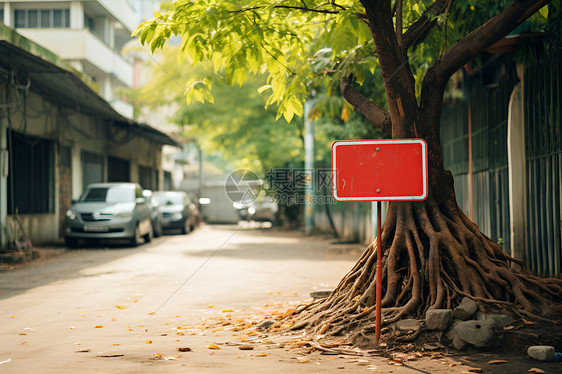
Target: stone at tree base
<point>541,352</point>
<point>320,294</point>
<point>480,334</point>
<point>438,319</point>
<point>407,324</point>
<point>502,320</point>
<point>465,310</point>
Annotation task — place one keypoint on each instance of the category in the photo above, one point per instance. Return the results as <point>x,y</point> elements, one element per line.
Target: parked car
<point>178,212</point>
<point>109,211</point>
<point>155,213</point>
<point>262,210</point>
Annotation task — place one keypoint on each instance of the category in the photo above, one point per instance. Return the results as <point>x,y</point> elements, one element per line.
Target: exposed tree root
<point>433,257</point>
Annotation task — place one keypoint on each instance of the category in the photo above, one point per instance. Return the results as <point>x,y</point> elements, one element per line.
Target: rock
<point>265,324</point>
<point>438,319</point>
<point>245,347</point>
<point>502,320</point>
<point>320,294</point>
<point>541,352</point>
<point>480,334</point>
<point>407,324</point>
<point>465,310</point>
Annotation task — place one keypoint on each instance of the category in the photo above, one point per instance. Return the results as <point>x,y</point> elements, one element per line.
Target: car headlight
<point>124,215</point>
<point>70,215</point>
<point>177,216</point>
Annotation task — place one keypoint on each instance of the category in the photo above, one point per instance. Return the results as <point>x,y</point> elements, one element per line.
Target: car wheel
<point>148,236</point>
<point>71,242</point>
<point>157,230</point>
<point>136,240</point>
<point>185,228</point>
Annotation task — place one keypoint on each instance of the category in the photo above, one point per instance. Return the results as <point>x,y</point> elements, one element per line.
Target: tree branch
<point>419,30</point>
<point>399,22</point>
<point>374,113</point>
<point>483,37</point>
<point>303,8</point>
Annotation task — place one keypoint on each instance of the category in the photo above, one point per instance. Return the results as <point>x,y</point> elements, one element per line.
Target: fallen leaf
<point>528,322</point>
<point>263,354</point>
<point>227,310</point>
<point>211,306</point>
<point>303,360</point>
<point>115,344</point>
<point>135,301</point>
<point>172,357</point>
<point>214,346</point>
<point>112,355</point>
<point>184,349</point>
<point>158,354</point>
<point>22,333</point>
<point>22,343</point>
<point>289,312</point>
<point>83,350</point>
<point>114,319</point>
<point>148,342</point>
<point>99,326</point>
<point>536,370</point>
<point>494,362</point>
<point>120,306</point>
<point>151,313</point>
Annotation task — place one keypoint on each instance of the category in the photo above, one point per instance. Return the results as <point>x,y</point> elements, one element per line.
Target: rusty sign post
<point>379,170</point>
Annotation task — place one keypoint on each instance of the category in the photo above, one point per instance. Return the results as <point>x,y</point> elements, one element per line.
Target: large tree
<point>433,254</point>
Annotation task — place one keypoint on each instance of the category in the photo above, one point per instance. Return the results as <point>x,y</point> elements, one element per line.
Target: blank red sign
<point>370,170</point>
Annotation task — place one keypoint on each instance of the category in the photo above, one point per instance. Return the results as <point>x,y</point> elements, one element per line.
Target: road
<point>116,300</point>
<point>128,310</point>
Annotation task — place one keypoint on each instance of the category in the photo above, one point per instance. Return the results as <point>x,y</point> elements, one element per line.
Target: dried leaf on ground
<point>148,342</point>
<point>99,326</point>
<point>184,349</point>
<point>536,370</point>
<point>214,346</point>
<point>112,355</point>
<point>83,350</point>
<point>263,354</point>
<point>120,306</point>
<point>494,362</point>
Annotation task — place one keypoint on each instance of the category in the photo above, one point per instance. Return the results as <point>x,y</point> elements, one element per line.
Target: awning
<point>66,88</point>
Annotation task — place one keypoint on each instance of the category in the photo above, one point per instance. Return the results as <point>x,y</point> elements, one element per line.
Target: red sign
<point>370,170</point>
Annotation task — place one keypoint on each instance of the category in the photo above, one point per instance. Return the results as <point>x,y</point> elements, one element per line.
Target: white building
<point>88,34</point>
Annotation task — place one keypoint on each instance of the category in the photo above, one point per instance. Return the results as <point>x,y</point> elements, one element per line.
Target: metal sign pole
<point>379,276</point>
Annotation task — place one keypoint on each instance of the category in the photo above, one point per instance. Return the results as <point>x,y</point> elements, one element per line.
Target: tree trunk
<point>433,255</point>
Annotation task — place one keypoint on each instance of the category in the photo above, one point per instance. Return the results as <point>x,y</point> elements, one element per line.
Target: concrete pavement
<point>128,310</point>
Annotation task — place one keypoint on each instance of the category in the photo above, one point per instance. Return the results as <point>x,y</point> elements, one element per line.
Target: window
<point>31,175</point>
<point>42,18</point>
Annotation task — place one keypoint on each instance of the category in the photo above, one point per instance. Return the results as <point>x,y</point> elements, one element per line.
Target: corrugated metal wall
<point>490,189</point>
<point>543,128</point>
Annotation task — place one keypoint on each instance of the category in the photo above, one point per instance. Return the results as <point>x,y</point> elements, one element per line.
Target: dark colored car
<point>109,211</point>
<point>178,212</point>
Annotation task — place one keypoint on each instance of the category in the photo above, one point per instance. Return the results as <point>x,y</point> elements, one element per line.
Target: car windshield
<point>108,195</point>
<point>169,199</point>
